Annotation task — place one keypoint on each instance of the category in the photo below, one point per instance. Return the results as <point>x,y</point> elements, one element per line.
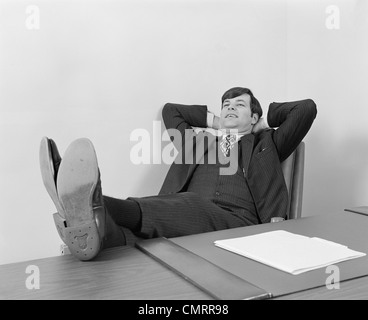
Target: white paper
<point>289,252</point>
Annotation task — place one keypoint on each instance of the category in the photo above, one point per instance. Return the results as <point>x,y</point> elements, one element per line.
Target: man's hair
<point>255,106</point>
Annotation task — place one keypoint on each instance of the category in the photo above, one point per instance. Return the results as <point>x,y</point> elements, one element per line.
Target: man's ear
<point>255,118</point>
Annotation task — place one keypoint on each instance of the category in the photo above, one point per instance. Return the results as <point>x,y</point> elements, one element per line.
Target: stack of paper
<point>289,252</point>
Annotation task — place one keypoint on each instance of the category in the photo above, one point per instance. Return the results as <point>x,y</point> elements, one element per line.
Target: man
<point>196,197</point>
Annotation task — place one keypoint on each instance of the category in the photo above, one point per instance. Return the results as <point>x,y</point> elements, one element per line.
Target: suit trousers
<point>185,213</point>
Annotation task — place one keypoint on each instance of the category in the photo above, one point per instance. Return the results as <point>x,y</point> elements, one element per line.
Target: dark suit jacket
<point>262,153</point>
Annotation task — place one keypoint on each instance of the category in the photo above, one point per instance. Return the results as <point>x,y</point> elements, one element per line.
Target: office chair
<point>293,169</point>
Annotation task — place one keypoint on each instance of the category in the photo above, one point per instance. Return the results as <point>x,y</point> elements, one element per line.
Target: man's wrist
<point>210,119</point>
<point>216,123</point>
<point>213,121</point>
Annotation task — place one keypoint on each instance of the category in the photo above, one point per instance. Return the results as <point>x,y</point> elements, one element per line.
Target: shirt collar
<point>224,133</point>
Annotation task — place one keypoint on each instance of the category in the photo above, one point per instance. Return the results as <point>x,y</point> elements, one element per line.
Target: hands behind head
<point>260,125</point>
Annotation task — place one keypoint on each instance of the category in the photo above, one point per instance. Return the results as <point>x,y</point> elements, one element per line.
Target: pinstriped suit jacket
<point>262,153</point>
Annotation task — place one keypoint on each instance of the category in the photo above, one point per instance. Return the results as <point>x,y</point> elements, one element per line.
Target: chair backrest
<point>293,169</point>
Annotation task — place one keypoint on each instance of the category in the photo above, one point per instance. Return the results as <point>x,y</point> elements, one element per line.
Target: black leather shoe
<point>49,164</point>
<point>80,195</point>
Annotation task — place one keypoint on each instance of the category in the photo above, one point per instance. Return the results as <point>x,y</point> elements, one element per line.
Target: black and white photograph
<point>192,152</point>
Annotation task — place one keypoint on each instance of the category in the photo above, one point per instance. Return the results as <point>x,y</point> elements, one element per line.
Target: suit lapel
<point>247,143</point>
<point>200,145</point>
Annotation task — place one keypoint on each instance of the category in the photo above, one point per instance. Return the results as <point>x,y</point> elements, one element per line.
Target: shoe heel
<point>48,173</point>
<point>83,241</point>
<point>60,224</point>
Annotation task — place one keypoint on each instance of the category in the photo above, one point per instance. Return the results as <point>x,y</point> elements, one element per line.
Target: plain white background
<point>102,69</point>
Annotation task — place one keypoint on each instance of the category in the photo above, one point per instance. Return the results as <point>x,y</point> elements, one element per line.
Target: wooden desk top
<point>346,228</point>
<point>354,289</point>
<point>125,273</point>
<point>359,210</point>
<point>117,273</point>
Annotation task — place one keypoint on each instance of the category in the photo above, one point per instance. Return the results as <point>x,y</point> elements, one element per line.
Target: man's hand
<point>260,125</point>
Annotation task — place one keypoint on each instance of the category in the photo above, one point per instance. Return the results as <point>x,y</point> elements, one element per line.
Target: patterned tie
<point>227,144</point>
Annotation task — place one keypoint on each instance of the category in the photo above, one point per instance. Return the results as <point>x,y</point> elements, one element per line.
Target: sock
<point>125,213</point>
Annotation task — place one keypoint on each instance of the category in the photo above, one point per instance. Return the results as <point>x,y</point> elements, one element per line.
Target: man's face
<point>236,114</point>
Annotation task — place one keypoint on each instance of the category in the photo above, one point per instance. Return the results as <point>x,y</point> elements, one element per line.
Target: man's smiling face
<point>237,114</point>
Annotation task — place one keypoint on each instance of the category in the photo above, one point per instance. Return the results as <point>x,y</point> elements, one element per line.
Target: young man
<point>196,196</point>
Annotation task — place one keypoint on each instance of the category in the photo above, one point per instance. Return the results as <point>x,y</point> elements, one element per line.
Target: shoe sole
<point>77,179</point>
<point>48,173</point>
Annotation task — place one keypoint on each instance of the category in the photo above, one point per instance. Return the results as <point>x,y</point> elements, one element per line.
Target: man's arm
<point>293,119</point>
<point>178,118</point>
<point>182,117</point>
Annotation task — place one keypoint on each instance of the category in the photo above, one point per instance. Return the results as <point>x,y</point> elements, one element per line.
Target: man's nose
<point>231,107</point>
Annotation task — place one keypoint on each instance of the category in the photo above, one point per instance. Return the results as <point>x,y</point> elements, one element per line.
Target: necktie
<point>227,144</point>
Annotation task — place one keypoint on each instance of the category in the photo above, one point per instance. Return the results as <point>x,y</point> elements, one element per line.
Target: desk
<point>343,227</point>
<point>355,289</point>
<point>117,273</point>
<point>359,210</point>
<point>127,273</point>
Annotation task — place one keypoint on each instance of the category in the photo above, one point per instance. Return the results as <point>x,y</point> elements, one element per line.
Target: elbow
<point>166,110</point>
<point>168,107</point>
<point>312,107</point>
<point>168,114</point>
